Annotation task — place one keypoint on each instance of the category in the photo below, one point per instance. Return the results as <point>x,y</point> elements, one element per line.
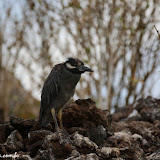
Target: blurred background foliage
<point>116,38</point>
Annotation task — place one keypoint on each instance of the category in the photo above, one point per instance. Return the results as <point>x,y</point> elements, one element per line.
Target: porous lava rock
<point>131,133</point>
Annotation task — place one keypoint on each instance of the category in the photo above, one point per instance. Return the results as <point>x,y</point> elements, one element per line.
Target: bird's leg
<point>60,121</point>
<point>55,119</point>
<point>63,136</point>
<point>60,118</point>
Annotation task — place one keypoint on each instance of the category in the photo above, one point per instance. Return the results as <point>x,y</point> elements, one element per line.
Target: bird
<point>58,88</point>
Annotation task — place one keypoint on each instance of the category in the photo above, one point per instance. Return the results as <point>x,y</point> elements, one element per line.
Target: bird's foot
<point>63,136</point>
<point>65,132</point>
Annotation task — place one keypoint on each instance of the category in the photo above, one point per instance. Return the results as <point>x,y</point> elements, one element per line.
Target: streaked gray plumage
<point>59,87</point>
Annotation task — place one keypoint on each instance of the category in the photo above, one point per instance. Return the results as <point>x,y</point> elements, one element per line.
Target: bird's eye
<point>70,66</point>
<point>79,64</point>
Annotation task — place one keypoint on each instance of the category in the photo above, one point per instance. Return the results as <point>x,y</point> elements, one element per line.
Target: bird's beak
<point>85,69</point>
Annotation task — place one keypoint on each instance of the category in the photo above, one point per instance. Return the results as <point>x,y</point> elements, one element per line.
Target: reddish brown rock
<point>119,126</point>
<point>85,114</point>
<point>149,109</point>
<point>92,134</point>
<point>150,134</point>
<point>23,126</point>
<point>36,140</point>
<point>56,147</point>
<point>34,136</point>
<point>122,113</point>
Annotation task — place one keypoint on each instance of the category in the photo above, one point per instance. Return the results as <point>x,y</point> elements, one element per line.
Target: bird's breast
<point>66,90</point>
<point>68,85</point>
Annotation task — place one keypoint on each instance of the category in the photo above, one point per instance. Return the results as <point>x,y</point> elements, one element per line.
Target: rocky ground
<point>132,133</point>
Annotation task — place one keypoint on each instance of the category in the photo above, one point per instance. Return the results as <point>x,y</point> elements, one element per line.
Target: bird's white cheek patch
<point>70,66</point>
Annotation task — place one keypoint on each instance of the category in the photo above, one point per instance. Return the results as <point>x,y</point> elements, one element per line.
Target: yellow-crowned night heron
<point>58,88</point>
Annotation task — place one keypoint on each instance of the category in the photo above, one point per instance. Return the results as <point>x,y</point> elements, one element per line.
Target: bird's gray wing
<point>49,92</point>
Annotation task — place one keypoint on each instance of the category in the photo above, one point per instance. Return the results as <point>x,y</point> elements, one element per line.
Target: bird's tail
<point>45,117</point>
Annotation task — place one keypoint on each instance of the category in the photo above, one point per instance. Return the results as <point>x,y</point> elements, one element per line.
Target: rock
<point>109,152</point>
<point>118,158</point>
<point>91,156</point>
<point>35,147</point>
<point>84,142</point>
<point>122,113</point>
<point>92,134</point>
<point>59,150</point>
<point>23,126</point>
<point>5,130</point>
<point>134,152</point>
<point>3,149</point>
<point>23,156</point>
<point>120,139</point>
<point>84,114</point>
<point>34,136</point>
<point>14,142</point>
<point>157,123</point>
<point>150,134</point>
<point>119,126</point>
<point>45,155</point>
<point>149,109</point>
<point>97,135</point>
<point>36,140</point>
<point>75,153</point>
<point>121,142</point>
<point>154,156</point>
<point>145,129</point>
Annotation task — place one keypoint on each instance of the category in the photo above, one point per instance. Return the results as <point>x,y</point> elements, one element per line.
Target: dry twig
<point>157,31</point>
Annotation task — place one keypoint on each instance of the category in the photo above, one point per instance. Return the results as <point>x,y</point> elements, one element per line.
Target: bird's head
<point>76,66</point>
